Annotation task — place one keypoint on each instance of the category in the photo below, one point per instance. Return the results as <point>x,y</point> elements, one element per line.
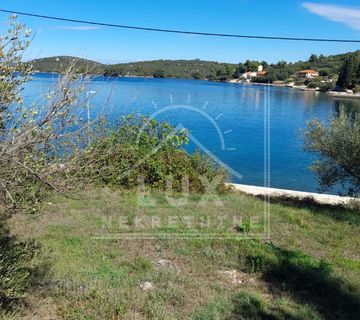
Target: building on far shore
<point>253,74</point>
<point>261,74</point>
<point>308,74</point>
<point>248,75</point>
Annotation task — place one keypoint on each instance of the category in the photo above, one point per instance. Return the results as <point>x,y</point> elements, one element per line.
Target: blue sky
<point>336,19</point>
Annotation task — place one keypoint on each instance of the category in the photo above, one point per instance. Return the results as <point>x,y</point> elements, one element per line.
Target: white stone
<point>146,286</point>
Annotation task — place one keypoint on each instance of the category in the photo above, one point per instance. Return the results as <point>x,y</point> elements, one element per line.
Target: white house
<point>308,74</point>
<point>252,74</point>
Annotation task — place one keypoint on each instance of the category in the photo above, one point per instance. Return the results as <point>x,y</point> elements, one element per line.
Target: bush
<point>16,267</point>
<point>33,138</point>
<point>147,149</point>
<point>313,84</point>
<point>325,72</point>
<point>317,83</point>
<point>196,75</point>
<point>327,86</point>
<point>300,82</point>
<point>357,89</point>
<point>338,147</point>
<point>159,73</point>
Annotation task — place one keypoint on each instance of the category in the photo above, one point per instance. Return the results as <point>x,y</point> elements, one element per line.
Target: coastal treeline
<point>185,69</point>
<point>334,71</point>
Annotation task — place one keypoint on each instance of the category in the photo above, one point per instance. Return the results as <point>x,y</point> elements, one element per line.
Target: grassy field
<point>104,257</point>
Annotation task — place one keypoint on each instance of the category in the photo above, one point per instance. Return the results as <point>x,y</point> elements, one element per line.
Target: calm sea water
<point>224,119</point>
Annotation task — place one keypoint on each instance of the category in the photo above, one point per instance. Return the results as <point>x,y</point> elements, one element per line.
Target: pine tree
<point>347,76</point>
<point>313,58</point>
<point>357,79</point>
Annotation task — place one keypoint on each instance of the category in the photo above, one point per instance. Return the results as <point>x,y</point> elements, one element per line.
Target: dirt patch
<point>40,308</point>
<point>236,277</point>
<point>163,263</point>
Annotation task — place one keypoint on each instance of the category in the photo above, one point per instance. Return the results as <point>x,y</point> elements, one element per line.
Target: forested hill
<point>198,69</point>
<point>59,64</point>
<point>187,69</point>
<point>194,69</point>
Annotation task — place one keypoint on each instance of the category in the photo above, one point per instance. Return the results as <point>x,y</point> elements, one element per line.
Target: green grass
<point>309,270</point>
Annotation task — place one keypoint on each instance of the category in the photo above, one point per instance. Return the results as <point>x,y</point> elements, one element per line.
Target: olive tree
<point>36,139</point>
<point>33,135</point>
<point>338,147</point>
<point>13,71</point>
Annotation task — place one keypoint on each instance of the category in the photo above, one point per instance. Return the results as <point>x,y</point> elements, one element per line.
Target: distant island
<point>322,73</point>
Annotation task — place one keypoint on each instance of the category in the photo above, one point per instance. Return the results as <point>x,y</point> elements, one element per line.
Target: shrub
<point>300,82</point>
<point>15,267</point>
<point>32,137</point>
<point>147,149</point>
<point>159,73</point>
<point>325,72</point>
<point>313,84</point>
<point>357,89</point>
<point>327,86</point>
<point>338,147</point>
<point>196,75</point>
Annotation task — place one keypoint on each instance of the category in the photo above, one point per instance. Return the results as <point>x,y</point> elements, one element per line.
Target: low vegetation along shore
<point>115,220</point>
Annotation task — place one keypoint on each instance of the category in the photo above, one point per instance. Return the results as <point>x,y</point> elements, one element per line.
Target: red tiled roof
<point>261,73</point>
<point>308,71</point>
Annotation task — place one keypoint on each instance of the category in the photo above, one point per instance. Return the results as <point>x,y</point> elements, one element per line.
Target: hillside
<point>186,69</point>
<point>59,64</point>
<point>197,69</point>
